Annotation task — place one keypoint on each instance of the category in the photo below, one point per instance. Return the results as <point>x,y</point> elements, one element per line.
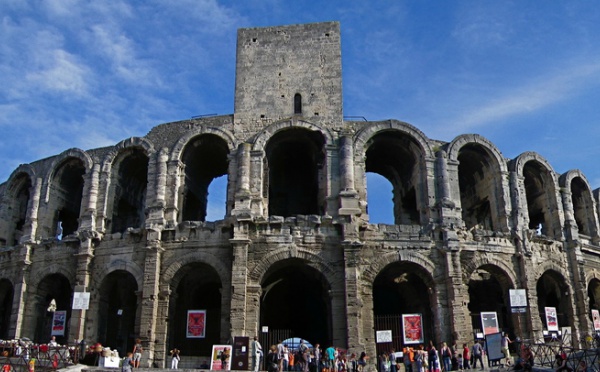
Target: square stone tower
<point>288,71</point>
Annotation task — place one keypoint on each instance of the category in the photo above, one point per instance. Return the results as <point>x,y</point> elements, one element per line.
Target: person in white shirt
<point>257,353</point>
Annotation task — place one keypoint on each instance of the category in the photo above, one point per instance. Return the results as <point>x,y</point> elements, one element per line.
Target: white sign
<point>81,300</point>
<point>384,336</point>
<point>518,297</point>
<point>265,329</point>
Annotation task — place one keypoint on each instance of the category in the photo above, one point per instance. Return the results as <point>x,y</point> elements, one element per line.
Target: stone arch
<point>362,137</point>
<point>7,290</point>
<point>553,265</point>
<point>59,159</point>
<point>557,276</point>
<point>17,203</point>
<point>260,140</point>
<point>119,264</point>
<point>132,142</point>
<point>517,164</point>
<point>262,267</point>
<point>23,169</point>
<point>480,183</point>
<point>65,269</point>
<point>175,263</point>
<point>581,206</point>
<point>502,267</point>
<point>382,261</point>
<point>179,146</point>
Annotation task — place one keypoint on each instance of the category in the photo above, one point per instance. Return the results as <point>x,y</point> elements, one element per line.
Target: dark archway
<point>53,289</point>
<point>205,159</point>
<point>117,310</point>
<point>594,296</point>
<point>395,156</point>
<point>130,180</point>
<point>6,301</point>
<point>18,203</point>
<point>403,288</point>
<point>198,289</point>
<point>294,164</point>
<point>552,291</point>
<point>541,199</point>
<point>296,297</point>
<point>66,191</point>
<point>488,292</point>
<point>583,207</point>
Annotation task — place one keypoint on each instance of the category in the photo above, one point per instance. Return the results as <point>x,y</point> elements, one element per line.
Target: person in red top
<point>466,357</point>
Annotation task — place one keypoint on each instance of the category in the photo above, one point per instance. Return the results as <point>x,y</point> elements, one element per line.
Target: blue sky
<point>86,74</point>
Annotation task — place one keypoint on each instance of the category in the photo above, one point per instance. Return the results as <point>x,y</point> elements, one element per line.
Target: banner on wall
<point>489,322</point>
<point>596,319</point>
<point>551,319</point>
<point>413,328</point>
<point>196,323</point>
<point>220,359</point>
<point>58,323</point>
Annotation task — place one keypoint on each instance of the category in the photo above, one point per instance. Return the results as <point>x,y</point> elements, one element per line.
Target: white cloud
<point>61,72</point>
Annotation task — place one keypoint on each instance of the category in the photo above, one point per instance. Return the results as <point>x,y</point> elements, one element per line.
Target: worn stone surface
<point>469,223</point>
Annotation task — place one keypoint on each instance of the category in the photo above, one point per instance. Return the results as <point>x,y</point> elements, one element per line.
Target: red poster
<point>196,323</point>
<point>221,358</point>
<point>58,323</point>
<point>413,328</point>
<point>489,322</point>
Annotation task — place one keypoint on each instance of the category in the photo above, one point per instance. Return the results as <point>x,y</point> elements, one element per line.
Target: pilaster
<point>353,297</point>
<point>82,281</point>
<point>239,283</point>
<point>149,303</point>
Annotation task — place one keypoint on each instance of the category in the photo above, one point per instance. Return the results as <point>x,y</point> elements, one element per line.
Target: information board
<point>493,343</point>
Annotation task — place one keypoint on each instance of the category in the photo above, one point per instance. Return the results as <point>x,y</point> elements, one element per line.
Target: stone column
<point>175,169</point>
<point>88,217</point>
<point>353,297</point>
<point>242,194</point>
<point>239,283</point>
<point>17,314</point>
<point>162,326</point>
<point>457,313</point>
<point>253,293</point>
<point>571,229</point>
<point>161,176</point>
<point>348,195</point>
<point>82,281</point>
<point>31,220</point>
<point>149,303</point>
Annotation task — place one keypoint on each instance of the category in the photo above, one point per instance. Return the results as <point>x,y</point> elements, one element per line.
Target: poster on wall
<point>489,322</point>
<point>58,323</point>
<point>596,319</point>
<point>220,359</point>
<point>196,323</point>
<point>551,319</point>
<point>413,328</point>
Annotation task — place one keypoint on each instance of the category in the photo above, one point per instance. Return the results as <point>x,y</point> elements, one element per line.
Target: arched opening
<point>130,180</point>
<point>66,191</point>
<point>199,288</point>
<point>380,204</point>
<point>488,292</point>
<point>205,159</point>
<point>19,202</point>
<point>217,199</point>
<point>582,207</point>
<point>477,182</point>
<point>117,309</point>
<point>6,301</point>
<point>53,287</point>
<point>296,302</point>
<point>294,165</point>
<point>404,288</point>
<point>552,291</point>
<point>594,296</point>
<point>297,104</point>
<point>540,194</point>
<point>395,156</point>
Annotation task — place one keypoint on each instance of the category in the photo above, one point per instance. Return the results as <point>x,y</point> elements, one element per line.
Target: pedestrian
<point>504,347</point>
<point>446,357</point>
<point>127,363</point>
<point>257,353</point>
<point>137,353</point>
<point>272,360</point>
<point>175,358</point>
<point>466,357</point>
<point>477,354</point>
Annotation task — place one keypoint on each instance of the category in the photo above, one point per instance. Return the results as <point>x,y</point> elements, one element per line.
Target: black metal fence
<point>16,357</point>
<point>545,354</point>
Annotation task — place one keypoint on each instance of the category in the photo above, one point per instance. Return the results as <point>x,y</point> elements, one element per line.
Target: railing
<point>23,358</point>
<point>545,354</point>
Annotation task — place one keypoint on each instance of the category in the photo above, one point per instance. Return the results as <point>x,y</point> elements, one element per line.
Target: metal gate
<point>389,323</point>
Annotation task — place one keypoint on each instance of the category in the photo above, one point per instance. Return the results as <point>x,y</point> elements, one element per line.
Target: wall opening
<point>294,166</point>
<point>403,288</point>
<point>476,180</point>
<point>66,191</point>
<point>198,289</point>
<point>552,291</point>
<point>117,310</point>
<point>18,209</point>
<point>297,104</point>
<point>296,297</point>
<point>380,202</point>
<point>539,191</point>
<point>130,181</point>
<point>52,287</point>
<point>394,156</point>
<point>582,206</point>
<point>205,159</point>
<point>6,303</point>
<point>594,294</point>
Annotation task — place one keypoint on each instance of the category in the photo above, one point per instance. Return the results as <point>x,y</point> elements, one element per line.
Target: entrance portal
<point>488,292</point>
<point>296,297</point>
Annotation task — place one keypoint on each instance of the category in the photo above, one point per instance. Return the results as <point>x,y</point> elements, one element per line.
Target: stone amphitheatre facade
<point>295,251</point>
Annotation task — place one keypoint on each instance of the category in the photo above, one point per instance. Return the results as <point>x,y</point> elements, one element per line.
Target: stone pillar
<point>150,293</point>
<point>17,314</point>
<point>162,327</point>
<point>31,220</point>
<point>259,184</point>
<point>353,297</point>
<point>348,195</point>
<point>339,325</point>
<point>571,229</point>
<point>239,283</point>
<point>253,293</point>
<point>457,313</point>
<point>82,281</point>
<point>242,195</point>
<point>161,176</point>
<point>175,169</point>
<point>88,217</point>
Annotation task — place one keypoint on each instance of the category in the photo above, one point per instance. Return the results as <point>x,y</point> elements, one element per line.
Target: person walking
<point>477,354</point>
<point>257,353</point>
